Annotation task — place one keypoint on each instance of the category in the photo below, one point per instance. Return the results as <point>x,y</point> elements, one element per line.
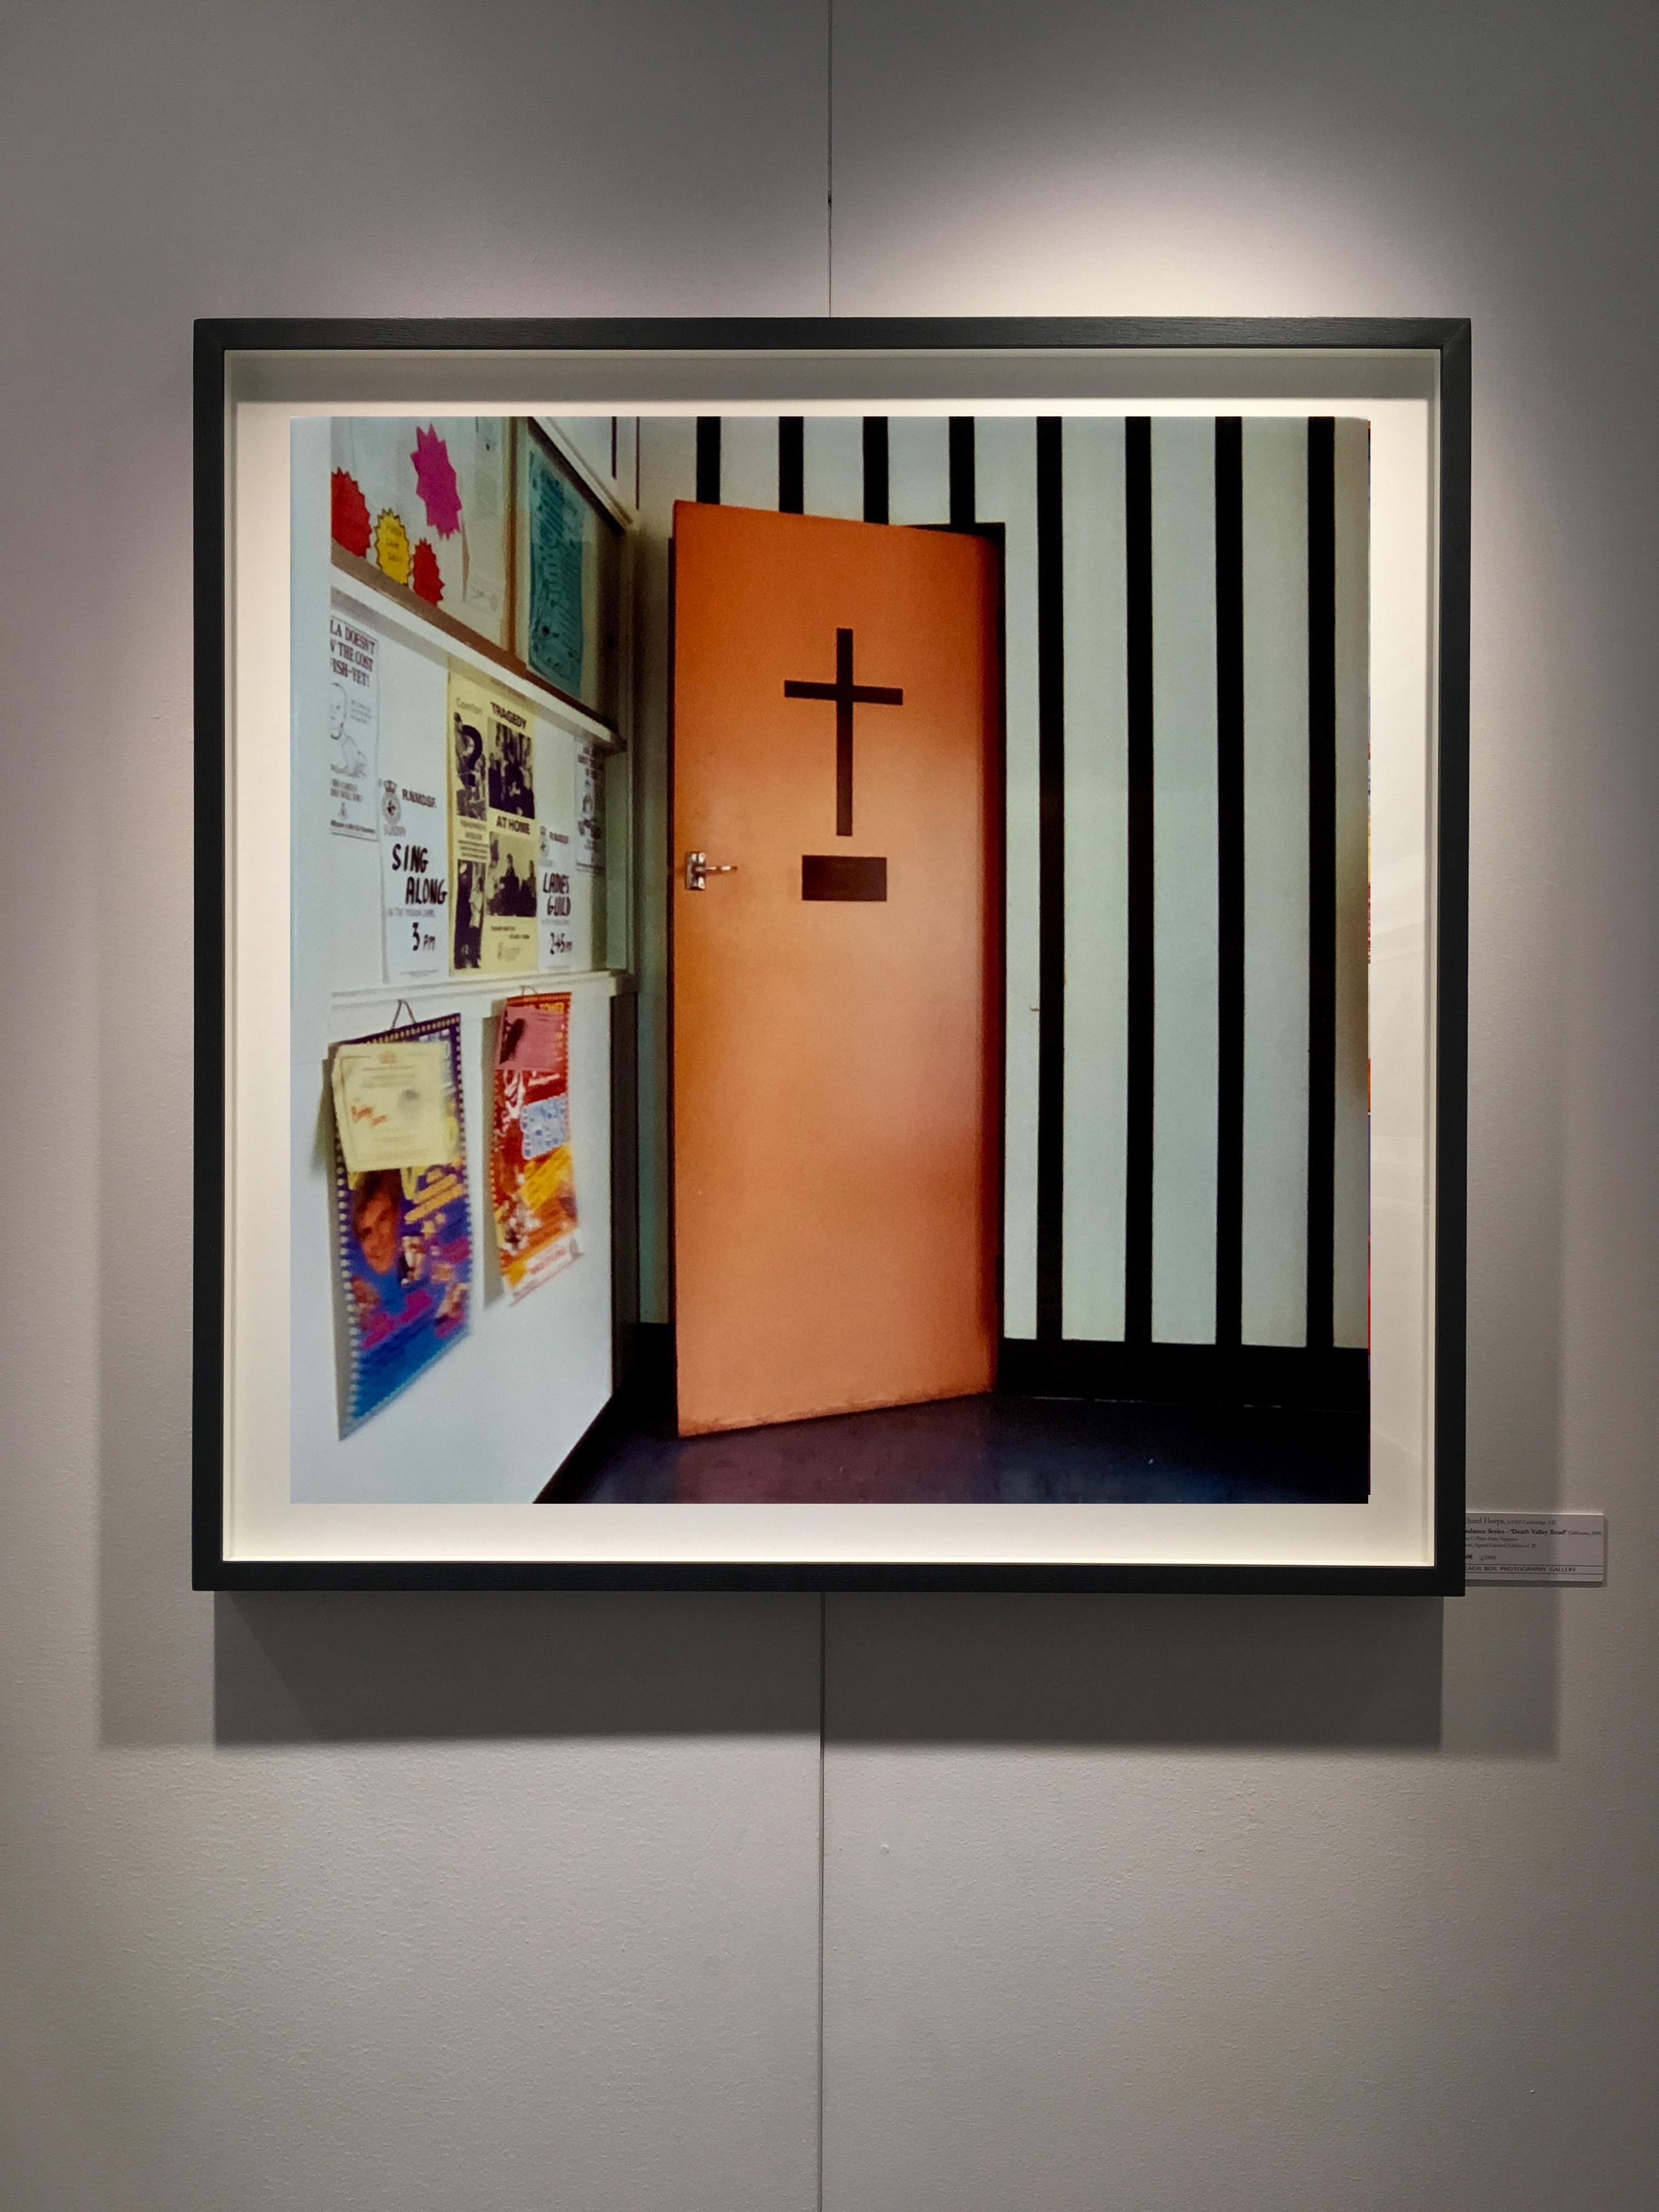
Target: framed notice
<point>1009,1048</point>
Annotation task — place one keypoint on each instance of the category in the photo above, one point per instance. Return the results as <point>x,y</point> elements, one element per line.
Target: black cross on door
<point>847,695</point>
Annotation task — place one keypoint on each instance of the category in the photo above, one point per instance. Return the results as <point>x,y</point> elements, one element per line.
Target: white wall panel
<point>1185,897</point>
<point>1097,879</point>
<point>1005,462</point>
<point>918,469</point>
<point>832,465</point>
<point>749,460</point>
<point>1274,1303</point>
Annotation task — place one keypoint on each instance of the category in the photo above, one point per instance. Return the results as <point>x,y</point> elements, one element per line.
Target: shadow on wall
<point>1329,1675</point>
<point>1473,1676</point>
<point>1218,1671</point>
<point>437,1666</point>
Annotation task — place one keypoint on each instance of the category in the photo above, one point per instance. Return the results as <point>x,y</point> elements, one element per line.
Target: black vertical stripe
<point>963,514</point>
<point>1137,608</point>
<point>792,464</point>
<point>708,461</point>
<point>1051,876</point>
<point>875,468</point>
<point>1229,878</point>
<point>1322,876</point>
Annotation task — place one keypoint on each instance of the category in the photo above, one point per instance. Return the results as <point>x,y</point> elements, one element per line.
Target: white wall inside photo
<point>505,1405</point>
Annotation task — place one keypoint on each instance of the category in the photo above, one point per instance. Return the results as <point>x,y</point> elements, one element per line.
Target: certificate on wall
<point>402,1217</point>
<point>532,1172</point>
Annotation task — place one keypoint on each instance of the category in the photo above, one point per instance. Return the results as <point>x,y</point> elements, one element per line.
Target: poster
<point>415,880</point>
<point>590,809</point>
<point>510,884</point>
<point>558,943</point>
<point>531,1173</point>
<point>423,499</point>
<point>402,1217</point>
<point>354,727</point>
<point>468,824</point>
<point>556,642</point>
<point>492,833</point>
<point>483,472</point>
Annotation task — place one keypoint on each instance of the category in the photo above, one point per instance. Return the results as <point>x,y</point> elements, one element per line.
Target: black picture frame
<point>217,341</point>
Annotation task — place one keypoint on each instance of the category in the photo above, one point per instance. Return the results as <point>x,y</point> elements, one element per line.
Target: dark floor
<point>988,1450</point>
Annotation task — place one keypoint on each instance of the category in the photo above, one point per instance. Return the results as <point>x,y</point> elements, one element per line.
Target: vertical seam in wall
<point>829,154</point>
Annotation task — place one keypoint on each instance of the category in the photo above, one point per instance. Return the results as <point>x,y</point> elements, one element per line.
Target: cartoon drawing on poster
<point>590,809</point>
<point>402,1219</point>
<point>532,1172</point>
<point>415,879</point>
<point>354,727</point>
<point>558,946</point>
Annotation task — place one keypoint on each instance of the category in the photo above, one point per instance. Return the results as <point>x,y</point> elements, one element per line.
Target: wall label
<point>1535,1547</point>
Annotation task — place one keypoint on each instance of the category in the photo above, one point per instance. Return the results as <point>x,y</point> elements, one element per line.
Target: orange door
<point>836,996</point>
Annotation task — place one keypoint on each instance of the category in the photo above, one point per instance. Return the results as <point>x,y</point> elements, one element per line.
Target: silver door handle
<point>699,868</point>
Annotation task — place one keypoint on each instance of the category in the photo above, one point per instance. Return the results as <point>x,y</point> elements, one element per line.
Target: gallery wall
<point>422,1902</point>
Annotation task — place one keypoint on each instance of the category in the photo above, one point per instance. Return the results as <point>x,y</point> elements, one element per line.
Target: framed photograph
<point>831,954</point>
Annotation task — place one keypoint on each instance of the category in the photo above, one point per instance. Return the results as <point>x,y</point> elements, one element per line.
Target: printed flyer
<point>493,848</point>
<point>532,1176</point>
<point>558,945</point>
<point>590,809</point>
<point>402,1216</point>
<point>354,725</point>
<point>415,880</point>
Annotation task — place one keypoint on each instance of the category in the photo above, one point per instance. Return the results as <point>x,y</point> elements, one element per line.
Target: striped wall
<point>1186,1119</point>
